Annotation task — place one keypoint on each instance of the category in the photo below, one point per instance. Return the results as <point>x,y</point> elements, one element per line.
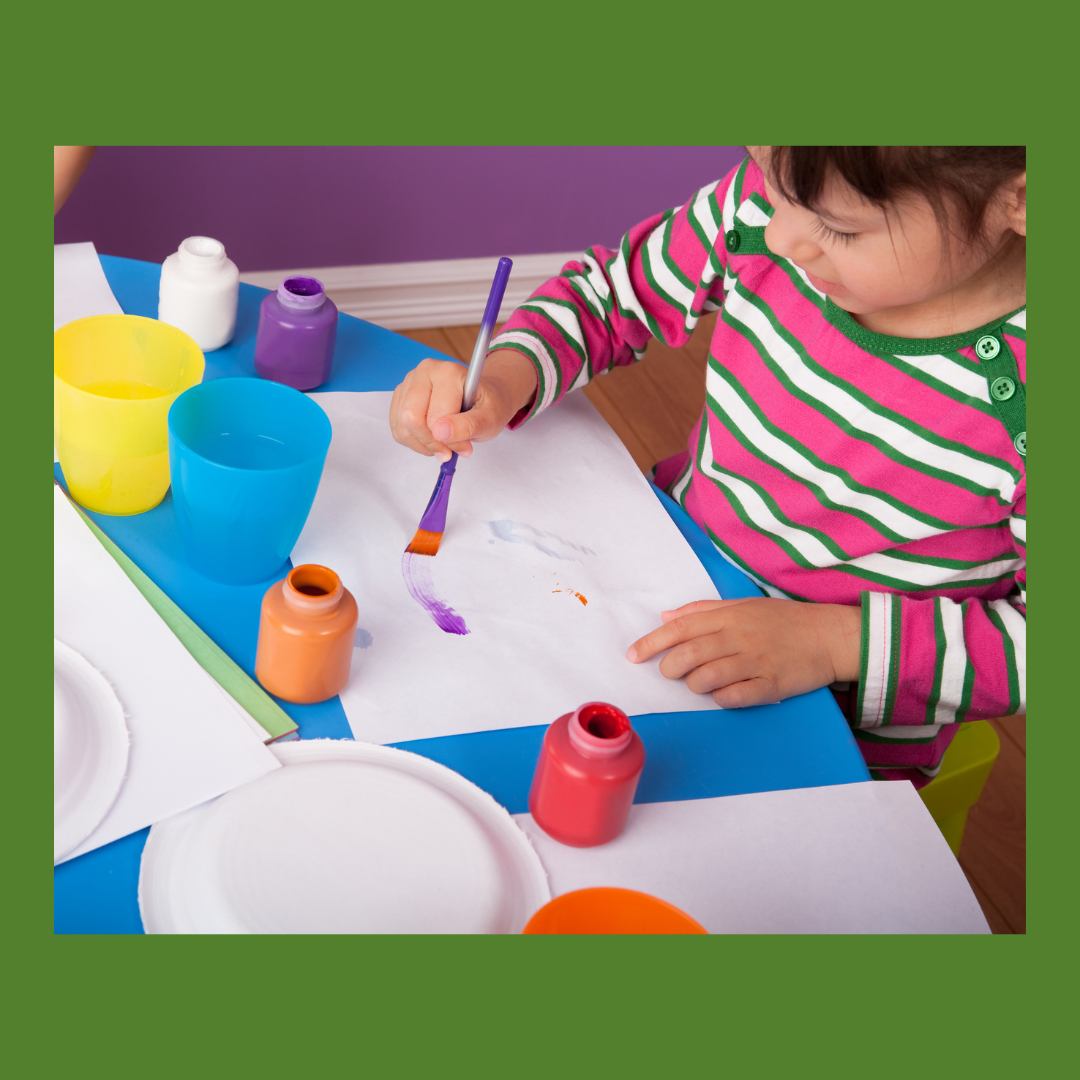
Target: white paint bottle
<point>200,287</point>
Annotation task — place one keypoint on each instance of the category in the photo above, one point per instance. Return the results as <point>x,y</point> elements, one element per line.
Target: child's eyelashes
<point>826,233</point>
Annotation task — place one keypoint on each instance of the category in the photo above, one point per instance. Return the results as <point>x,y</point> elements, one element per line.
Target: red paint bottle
<point>587,774</point>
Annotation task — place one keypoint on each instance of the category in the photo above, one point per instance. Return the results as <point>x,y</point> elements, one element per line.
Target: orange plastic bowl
<point>611,911</point>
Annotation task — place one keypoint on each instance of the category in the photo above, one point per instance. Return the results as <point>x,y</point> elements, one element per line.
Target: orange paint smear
<point>584,602</point>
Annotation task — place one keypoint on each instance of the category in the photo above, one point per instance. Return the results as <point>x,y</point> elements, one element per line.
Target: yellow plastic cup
<point>114,379</point>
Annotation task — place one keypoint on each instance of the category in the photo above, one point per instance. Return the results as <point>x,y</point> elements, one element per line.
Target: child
<point>863,438</point>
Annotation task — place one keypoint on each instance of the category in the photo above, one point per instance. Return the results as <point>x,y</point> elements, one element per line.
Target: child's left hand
<point>755,650</point>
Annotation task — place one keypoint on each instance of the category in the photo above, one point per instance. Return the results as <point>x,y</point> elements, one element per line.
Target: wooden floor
<point>652,406</point>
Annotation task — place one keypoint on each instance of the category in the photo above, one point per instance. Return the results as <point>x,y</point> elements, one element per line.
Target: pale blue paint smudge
<point>363,639</point>
<point>512,533</point>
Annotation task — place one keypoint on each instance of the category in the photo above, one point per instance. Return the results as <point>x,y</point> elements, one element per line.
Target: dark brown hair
<point>959,182</point>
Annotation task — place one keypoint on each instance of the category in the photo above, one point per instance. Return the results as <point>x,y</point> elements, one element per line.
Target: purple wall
<point>277,208</point>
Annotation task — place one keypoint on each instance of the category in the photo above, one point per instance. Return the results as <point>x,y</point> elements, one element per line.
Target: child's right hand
<point>425,412</point>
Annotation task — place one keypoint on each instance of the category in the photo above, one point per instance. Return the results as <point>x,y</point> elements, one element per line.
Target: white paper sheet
<point>79,285</point>
<point>861,858</point>
<point>188,742</point>
<point>539,521</point>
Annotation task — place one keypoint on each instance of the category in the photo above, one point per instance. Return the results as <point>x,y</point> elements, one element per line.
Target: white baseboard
<point>414,295</point>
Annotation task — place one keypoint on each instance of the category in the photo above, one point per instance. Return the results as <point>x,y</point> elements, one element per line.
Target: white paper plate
<point>90,748</point>
<point>350,838</point>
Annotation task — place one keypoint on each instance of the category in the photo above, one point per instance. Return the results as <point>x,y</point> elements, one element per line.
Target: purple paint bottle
<point>297,331</point>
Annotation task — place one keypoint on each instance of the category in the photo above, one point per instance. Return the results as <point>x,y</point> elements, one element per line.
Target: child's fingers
<point>459,428</point>
<point>426,408</point>
<point>401,426</point>
<point>705,662</point>
<point>738,695</point>
<point>695,606</point>
<point>447,386</point>
<point>682,628</point>
<point>409,410</point>
<point>727,667</point>
<point>683,624</point>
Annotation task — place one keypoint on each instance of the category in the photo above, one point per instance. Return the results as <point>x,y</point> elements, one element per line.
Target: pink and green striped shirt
<point>830,463</point>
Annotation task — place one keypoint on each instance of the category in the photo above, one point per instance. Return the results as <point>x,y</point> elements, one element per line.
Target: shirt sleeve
<point>601,311</point>
<point>938,661</point>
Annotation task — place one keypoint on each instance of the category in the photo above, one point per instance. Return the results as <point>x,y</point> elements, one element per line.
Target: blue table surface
<point>802,742</point>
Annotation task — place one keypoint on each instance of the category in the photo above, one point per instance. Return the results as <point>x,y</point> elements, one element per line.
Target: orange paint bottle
<point>306,636</point>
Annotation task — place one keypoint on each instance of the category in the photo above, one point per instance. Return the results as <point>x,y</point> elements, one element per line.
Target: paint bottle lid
<point>598,730</point>
<point>201,254</point>
<point>302,293</point>
<point>312,590</point>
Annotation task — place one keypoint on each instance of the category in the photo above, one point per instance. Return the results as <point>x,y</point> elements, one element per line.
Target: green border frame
<point>553,74</point>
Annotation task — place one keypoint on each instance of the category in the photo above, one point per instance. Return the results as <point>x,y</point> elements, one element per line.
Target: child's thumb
<point>464,427</point>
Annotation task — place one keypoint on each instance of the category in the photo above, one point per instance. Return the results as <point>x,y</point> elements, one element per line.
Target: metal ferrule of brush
<point>476,368</point>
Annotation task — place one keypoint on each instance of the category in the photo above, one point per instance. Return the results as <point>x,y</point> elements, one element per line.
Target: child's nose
<point>785,239</point>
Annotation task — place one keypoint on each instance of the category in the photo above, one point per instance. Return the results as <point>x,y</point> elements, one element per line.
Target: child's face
<point>868,261</point>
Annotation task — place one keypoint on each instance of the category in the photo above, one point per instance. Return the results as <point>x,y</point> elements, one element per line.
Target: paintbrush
<point>429,535</point>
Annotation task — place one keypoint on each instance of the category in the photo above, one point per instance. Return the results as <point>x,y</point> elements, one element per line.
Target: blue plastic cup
<point>246,456</point>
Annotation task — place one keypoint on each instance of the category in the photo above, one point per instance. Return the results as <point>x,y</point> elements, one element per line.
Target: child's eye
<point>824,231</point>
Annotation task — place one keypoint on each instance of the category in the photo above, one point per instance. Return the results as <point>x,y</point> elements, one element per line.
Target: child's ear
<point>1015,193</point>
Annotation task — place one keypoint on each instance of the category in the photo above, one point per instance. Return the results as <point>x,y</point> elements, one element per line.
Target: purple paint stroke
<point>416,570</point>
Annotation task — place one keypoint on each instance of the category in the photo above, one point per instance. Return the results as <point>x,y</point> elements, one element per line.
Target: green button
<point>732,240</point>
<point>1003,388</point>
<point>986,348</point>
<point>1020,442</point>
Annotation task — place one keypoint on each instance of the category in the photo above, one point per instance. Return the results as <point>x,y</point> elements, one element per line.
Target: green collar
<point>883,345</point>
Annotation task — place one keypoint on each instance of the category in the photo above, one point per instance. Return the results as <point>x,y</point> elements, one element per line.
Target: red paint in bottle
<point>588,771</point>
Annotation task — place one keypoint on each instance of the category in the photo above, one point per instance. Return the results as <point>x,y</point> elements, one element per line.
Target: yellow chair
<point>964,770</point>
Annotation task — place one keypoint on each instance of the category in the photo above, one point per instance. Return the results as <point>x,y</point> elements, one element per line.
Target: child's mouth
<point>824,286</point>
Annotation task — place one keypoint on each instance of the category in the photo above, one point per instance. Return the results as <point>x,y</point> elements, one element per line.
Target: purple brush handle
<point>495,297</point>
<point>434,519</point>
<point>483,339</point>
